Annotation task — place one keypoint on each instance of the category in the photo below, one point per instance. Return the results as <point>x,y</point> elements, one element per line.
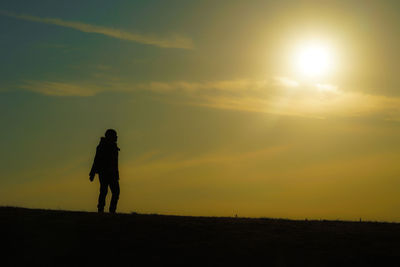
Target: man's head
<point>111,135</point>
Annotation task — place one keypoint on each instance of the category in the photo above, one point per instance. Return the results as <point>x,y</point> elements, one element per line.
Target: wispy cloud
<point>274,96</point>
<point>326,87</point>
<point>147,164</point>
<point>173,41</point>
<point>286,82</point>
<point>61,88</point>
<point>282,96</point>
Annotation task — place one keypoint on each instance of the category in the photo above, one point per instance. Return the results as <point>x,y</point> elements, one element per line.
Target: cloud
<point>61,88</point>
<point>239,86</point>
<point>326,87</point>
<point>275,96</point>
<point>284,81</point>
<point>149,163</point>
<point>174,41</point>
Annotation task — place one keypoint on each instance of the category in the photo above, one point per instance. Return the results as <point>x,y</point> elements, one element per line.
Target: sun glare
<point>313,59</point>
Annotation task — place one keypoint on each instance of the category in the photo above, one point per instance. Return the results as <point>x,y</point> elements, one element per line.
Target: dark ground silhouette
<point>62,238</point>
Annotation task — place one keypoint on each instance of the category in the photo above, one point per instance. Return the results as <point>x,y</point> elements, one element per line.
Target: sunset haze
<point>281,109</point>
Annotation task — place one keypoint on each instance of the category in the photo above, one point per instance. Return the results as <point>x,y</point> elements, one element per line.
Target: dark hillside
<point>63,238</point>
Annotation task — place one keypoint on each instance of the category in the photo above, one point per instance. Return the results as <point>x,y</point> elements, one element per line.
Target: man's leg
<point>103,194</point>
<point>114,186</point>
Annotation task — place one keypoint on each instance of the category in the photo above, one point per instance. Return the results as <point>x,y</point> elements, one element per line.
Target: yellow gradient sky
<point>257,108</point>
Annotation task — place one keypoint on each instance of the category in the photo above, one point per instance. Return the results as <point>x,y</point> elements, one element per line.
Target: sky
<point>216,110</point>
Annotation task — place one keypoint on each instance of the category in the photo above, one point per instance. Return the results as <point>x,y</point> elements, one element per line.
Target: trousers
<point>105,182</point>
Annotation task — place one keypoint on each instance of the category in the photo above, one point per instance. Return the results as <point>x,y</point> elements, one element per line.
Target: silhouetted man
<point>106,165</point>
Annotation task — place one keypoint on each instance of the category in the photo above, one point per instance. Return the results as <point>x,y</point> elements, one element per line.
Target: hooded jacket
<point>106,159</point>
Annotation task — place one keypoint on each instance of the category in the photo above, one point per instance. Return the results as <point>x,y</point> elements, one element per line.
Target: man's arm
<point>94,169</point>
<point>117,168</point>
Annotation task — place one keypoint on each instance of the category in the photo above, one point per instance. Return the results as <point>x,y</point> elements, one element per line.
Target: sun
<point>313,59</point>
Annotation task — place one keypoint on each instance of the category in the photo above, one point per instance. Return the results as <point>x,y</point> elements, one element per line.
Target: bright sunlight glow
<point>313,59</point>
